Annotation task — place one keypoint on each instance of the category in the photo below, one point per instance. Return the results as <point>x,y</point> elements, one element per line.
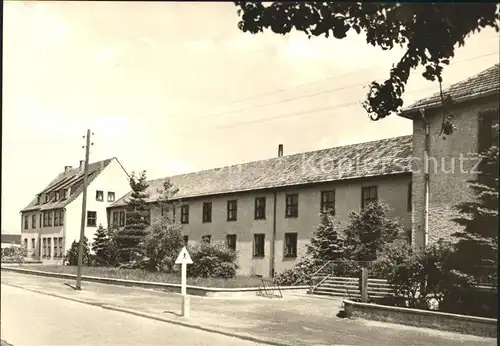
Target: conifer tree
<point>101,246</point>
<point>129,239</point>
<point>325,245</point>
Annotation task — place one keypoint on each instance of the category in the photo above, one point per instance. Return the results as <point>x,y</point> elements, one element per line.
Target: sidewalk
<point>293,320</point>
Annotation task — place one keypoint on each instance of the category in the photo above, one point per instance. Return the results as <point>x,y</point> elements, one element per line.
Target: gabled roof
<point>483,84</point>
<point>376,158</point>
<point>73,177</point>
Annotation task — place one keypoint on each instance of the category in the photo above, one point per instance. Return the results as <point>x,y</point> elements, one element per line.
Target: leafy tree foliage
<point>429,33</point>
<point>130,238</point>
<point>212,260</point>
<point>477,246</point>
<point>71,257</point>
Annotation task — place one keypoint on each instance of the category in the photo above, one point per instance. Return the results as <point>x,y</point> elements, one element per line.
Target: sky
<point>175,87</point>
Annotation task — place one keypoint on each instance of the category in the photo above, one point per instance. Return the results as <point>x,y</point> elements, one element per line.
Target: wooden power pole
<point>84,210</point>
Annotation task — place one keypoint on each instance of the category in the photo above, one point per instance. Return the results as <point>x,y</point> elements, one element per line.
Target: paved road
<point>30,319</point>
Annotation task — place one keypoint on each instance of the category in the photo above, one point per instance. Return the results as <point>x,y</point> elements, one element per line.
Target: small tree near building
<point>71,257</point>
<point>129,239</point>
<point>101,247</point>
<point>325,244</point>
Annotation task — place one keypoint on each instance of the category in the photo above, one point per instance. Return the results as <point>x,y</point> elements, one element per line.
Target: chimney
<point>67,168</point>
<point>82,164</point>
<point>280,150</point>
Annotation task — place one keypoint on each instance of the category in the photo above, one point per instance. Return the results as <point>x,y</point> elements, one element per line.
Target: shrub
<point>71,257</point>
<point>212,260</point>
<point>14,254</point>
<point>300,274</point>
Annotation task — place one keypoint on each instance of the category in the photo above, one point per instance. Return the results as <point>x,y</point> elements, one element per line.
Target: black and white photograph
<point>249,173</point>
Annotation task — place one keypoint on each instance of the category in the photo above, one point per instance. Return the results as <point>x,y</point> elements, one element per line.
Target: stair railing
<point>312,287</point>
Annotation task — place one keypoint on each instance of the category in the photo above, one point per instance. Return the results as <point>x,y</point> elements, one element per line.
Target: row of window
<point>45,219</point>
<point>60,195</point>
<point>99,196</point>
<point>47,246</point>
<point>368,194</point>
<point>259,240</point>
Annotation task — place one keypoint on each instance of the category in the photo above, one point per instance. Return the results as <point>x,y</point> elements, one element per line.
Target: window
<point>231,241</point>
<point>65,193</point>
<point>49,247</point>
<point>292,205</point>
<point>57,195</point>
<point>61,217</point>
<point>46,198</point>
<point>56,218</point>
<point>206,239</point>
<point>207,212</point>
<point>111,196</point>
<point>409,197</point>
<point>33,221</point>
<point>40,220</point>
<point>44,242</point>
<point>26,222</point>
<point>186,240</point>
<point>328,201</point>
<point>61,251</point>
<point>290,244</point>
<point>232,208</point>
<point>33,244</point>
<point>26,244</point>
<point>258,245</point>
<point>115,218</point>
<point>45,219</point>
<point>185,214</point>
<point>487,134</point>
<point>368,195</point>
<point>49,219</point>
<point>91,219</point>
<point>122,218</point>
<point>56,247</point>
<point>260,208</point>
<point>99,196</point>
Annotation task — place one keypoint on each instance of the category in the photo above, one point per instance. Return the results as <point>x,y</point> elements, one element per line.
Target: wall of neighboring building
<point>448,181</point>
<point>393,190</point>
<point>112,179</point>
<point>51,252</point>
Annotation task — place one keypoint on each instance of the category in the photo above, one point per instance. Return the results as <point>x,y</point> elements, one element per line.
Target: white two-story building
<point>52,221</point>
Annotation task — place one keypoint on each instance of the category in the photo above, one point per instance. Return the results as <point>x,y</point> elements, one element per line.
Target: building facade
<point>451,163</point>
<point>52,220</point>
<point>268,210</point>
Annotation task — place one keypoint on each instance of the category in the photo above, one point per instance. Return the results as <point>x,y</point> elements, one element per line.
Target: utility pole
<point>84,210</point>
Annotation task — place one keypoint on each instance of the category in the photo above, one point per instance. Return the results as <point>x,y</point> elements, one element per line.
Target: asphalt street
<point>30,319</point>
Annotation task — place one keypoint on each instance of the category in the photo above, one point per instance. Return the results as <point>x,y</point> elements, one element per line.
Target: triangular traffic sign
<point>184,257</point>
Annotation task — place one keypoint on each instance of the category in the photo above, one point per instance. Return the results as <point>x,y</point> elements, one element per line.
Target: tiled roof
<point>72,177</point>
<point>483,83</point>
<point>382,157</point>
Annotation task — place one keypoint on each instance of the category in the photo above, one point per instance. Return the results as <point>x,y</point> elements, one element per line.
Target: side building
<point>267,210</point>
<point>443,183</point>
<point>52,220</point>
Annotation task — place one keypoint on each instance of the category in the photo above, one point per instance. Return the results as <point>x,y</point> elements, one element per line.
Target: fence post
<point>364,284</point>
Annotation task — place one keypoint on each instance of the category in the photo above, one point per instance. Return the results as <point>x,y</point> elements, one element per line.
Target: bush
<point>300,274</point>
<point>14,254</point>
<point>212,260</point>
<point>71,257</point>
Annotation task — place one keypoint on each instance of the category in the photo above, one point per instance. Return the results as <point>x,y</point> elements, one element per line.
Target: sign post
<point>184,259</point>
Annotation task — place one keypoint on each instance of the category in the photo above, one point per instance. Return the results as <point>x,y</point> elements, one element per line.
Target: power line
<point>295,114</point>
<point>313,94</point>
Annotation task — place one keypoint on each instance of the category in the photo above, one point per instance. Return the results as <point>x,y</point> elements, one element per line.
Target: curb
<point>157,318</point>
<point>176,288</point>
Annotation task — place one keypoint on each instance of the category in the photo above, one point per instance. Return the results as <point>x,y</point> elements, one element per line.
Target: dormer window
<point>57,195</point>
<point>38,198</point>
<point>65,193</point>
<point>99,196</point>
<point>46,198</point>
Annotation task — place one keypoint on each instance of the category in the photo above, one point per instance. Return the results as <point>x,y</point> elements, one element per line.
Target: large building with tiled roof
<point>52,220</point>
<point>269,209</point>
<point>445,183</point>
